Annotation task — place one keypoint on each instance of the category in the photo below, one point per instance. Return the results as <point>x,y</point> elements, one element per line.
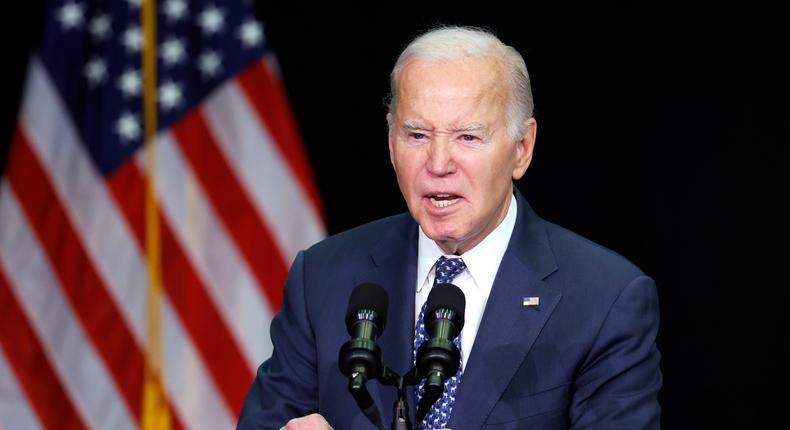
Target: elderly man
<point>560,332</point>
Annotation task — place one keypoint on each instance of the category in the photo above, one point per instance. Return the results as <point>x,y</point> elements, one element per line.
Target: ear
<point>391,138</point>
<point>524,148</point>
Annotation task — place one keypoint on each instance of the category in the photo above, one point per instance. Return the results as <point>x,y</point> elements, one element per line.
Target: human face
<point>452,150</point>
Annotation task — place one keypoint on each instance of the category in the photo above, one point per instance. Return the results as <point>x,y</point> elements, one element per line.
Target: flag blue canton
<point>92,51</point>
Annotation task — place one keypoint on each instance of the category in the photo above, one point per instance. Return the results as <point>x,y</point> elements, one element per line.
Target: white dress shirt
<point>482,263</point>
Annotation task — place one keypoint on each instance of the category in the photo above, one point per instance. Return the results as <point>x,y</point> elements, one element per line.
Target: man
<point>560,332</point>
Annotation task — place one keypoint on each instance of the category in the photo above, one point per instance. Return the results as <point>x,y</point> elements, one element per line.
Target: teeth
<point>443,203</point>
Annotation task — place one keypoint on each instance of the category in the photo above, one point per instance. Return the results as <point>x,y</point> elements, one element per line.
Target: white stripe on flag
<point>70,353</point>
<point>15,411</point>
<point>215,258</point>
<point>263,171</point>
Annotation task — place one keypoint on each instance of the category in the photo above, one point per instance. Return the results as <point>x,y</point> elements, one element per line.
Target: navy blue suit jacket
<point>585,357</point>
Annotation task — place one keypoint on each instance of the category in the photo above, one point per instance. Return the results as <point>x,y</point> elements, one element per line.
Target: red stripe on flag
<point>240,218</point>
<point>96,310</point>
<point>267,96</point>
<point>187,294</point>
<point>29,362</point>
<point>127,186</point>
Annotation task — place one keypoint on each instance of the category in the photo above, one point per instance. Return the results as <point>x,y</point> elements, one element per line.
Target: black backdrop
<point>662,134</point>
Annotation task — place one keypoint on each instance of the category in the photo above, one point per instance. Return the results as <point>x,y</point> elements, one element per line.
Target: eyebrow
<point>414,125</point>
<point>471,127</point>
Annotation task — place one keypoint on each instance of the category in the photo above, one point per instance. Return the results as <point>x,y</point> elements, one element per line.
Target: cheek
<point>407,176</point>
<point>491,179</point>
<point>407,167</point>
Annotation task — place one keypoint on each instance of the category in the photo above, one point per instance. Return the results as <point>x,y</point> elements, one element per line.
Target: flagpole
<point>155,413</point>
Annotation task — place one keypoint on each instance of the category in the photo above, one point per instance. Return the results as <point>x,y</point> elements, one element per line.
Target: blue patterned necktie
<point>439,414</point>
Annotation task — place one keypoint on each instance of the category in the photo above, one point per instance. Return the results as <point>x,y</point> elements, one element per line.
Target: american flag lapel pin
<point>530,301</point>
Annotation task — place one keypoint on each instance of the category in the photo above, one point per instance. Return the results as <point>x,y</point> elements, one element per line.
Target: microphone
<point>360,357</point>
<point>438,358</point>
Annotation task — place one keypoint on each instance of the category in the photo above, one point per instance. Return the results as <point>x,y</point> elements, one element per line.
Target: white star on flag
<point>170,95</point>
<point>133,39</point>
<point>209,64</point>
<point>175,10</point>
<point>172,51</point>
<point>95,71</point>
<point>128,127</point>
<point>130,83</point>
<point>99,26</point>
<point>251,33</point>
<point>211,20</point>
<point>71,15</point>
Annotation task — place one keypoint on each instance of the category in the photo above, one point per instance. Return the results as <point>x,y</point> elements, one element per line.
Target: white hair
<point>451,43</point>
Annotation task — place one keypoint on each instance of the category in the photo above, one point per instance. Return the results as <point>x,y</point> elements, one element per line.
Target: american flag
<point>235,202</point>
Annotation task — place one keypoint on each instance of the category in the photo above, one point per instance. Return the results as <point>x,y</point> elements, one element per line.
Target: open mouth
<point>443,200</point>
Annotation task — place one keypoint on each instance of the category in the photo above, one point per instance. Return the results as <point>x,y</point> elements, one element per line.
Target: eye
<point>469,138</point>
<point>417,136</point>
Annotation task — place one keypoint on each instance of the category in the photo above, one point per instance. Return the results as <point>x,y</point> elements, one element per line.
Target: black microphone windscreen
<point>368,296</point>
<point>447,296</point>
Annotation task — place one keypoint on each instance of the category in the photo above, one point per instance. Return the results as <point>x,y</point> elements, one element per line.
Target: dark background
<point>662,134</point>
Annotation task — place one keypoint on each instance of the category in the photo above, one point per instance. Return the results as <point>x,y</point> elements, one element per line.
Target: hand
<point>309,422</point>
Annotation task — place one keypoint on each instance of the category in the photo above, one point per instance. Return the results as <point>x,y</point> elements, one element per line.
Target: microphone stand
<point>400,417</point>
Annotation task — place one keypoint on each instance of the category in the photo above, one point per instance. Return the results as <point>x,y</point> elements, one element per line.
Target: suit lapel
<point>393,266</point>
<point>508,328</point>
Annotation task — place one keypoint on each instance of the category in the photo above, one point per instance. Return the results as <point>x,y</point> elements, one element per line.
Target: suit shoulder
<point>362,238</point>
<point>574,250</point>
<point>592,278</point>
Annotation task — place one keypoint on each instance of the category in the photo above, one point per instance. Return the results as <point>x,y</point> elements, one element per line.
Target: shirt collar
<point>482,261</point>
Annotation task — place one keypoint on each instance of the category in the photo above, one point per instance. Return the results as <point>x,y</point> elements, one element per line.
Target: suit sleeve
<point>285,386</point>
<point>617,387</point>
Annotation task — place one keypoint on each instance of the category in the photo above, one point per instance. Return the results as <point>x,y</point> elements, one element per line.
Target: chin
<point>440,234</point>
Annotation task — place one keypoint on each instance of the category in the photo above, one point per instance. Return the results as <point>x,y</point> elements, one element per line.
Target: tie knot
<point>447,269</point>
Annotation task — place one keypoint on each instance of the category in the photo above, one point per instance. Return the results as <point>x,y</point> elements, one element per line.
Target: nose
<point>440,158</point>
